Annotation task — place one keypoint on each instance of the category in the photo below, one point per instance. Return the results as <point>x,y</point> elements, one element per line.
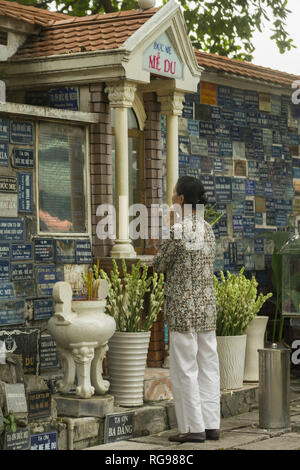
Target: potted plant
<point>237,304</point>
<point>128,347</point>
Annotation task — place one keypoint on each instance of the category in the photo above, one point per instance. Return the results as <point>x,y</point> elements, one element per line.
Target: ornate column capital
<point>121,94</point>
<point>171,103</point>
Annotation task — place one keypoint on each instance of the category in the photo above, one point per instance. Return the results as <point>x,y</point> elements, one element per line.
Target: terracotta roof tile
<point>28,14</point>
<point>214,62</point>
<point>94,33</point>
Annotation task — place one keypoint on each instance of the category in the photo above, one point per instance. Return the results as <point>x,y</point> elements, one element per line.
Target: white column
<point>121,97</point>
<point>171,106</point>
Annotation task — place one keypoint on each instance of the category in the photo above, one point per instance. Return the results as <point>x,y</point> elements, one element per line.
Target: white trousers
<point>195,380</point>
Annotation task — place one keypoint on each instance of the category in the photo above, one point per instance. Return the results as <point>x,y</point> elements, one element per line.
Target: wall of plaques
<point>29,264</point>
<point>244,146</point>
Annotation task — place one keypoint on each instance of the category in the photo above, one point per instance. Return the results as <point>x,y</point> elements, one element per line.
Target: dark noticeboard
<point>26,343</point>
<point>39,404</point>
<point>23,158</point>
<point>18,440</point>
<point>119,426</point>
<point>48,353</point>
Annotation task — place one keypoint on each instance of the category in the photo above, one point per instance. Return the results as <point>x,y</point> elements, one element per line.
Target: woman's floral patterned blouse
<point>187,259</point>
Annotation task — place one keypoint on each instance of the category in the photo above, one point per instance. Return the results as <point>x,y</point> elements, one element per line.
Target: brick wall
<point>100,163</point>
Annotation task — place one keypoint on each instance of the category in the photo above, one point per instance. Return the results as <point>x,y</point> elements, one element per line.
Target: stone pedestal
<point>97,406</point>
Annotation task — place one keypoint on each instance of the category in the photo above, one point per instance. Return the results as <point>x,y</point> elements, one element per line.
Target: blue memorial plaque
<point>83,252</point>
<point>4,128</point>
<point>232,251</point>
<point>25,192</point>
<point>263,120</point>
<point>225,96</point>
<point>238,207</point>
<point>206,129</point>
<point>65,251</point>
<point>193,127</point>
<point>21,132</point>
<point>296,162</point>
<point>188,110</point>
<point>49,353</point>
<point>46,277</point>
<point>253,169</point>
<point>223,189</point>
<point>226,149</point>
<point>23,158</point>
<point>223,131</point>
<point>259,220</point>
<point>12,312</point>
<point>249,227</point>
<point>64,98</point>
<point>271,217</point>
<point>249,208</point>
<point>240,118</point>
<point>257,135</point>
<point>277,151</point>
<point>213,148</point>
<point>215,113</point>
<point>252,119</point>
<point>270,204</point>
<point>44,441</point>
<point>44,249</point>
<point>237,223</point>
<point>21,271</point>
<point>4,270</point>
<point>12,229</point>
<point>251,100</point>
<point>250,187</point>
<point>227,114</point>
<point>6,290</point>
<point>43,309</point>
<point>222,224</point>
<point>281,219</point>
<point>268,189</point>
<point>3,154</point>
<point>5,250</point>
<point>238,97</point>
<point>238,188</point>
<point>293,137</point>
<point>21,251</point>
<point>235,133</point>
<point>283,205</point>
<point>206,164</point>
<point>296,173</point>
<point>218,166</point>
<point>209,186</point>
<point>183,159</point>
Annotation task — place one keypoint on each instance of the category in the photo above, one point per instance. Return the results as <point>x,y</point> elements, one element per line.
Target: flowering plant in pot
<point>237,304</point>
<point>128,347</point>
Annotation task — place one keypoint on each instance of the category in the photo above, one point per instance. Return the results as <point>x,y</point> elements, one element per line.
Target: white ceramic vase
<point>231,351</point>
<point>255,340</point>
<point>127,357</point>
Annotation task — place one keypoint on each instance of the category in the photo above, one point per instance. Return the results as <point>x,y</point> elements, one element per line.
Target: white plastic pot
<point>127,358</point>
<point>231,351</point>
<point>255,340</point>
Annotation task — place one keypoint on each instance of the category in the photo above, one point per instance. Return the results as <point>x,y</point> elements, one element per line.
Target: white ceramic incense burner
<point>81,330</point>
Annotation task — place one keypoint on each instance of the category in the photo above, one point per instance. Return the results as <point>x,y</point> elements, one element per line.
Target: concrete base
<point>97,406</point>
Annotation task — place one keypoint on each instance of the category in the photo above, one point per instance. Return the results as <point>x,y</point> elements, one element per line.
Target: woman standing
<point>190,312</point>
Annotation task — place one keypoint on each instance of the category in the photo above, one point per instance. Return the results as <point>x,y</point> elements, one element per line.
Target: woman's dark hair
<point>192,190</point>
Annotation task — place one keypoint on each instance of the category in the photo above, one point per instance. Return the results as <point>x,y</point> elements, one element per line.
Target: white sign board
<point>161,58</point>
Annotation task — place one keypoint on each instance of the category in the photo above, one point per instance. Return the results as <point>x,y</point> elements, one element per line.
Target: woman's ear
<point>181,199</point>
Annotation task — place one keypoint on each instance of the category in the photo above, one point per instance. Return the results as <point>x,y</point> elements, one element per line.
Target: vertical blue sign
<point>25,192</point>
<point>3,154</point>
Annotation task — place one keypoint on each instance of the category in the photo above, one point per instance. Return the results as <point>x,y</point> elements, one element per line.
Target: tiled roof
<point>214,62</point>
<point>87,33</point>
<point>30,15</point>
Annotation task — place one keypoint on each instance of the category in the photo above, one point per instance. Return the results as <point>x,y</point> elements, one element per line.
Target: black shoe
<point>212,434</point>
<point>188,437</point>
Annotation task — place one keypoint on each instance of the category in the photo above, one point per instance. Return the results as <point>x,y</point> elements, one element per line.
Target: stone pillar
<point>121,97</point>
<point>171,106</point>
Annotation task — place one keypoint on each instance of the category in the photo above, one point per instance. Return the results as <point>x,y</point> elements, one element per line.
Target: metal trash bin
<point>274,387</point>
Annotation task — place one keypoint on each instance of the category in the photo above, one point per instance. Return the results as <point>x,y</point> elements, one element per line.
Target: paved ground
<point>240,432</point>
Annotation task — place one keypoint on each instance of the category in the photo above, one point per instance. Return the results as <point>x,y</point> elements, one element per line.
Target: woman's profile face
<point>176,199</point>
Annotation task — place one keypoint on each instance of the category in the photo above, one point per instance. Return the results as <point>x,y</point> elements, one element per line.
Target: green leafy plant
<point>211,215</point>
<point>126,298</point>
<point>237,302</point>
<point>9,422</point>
